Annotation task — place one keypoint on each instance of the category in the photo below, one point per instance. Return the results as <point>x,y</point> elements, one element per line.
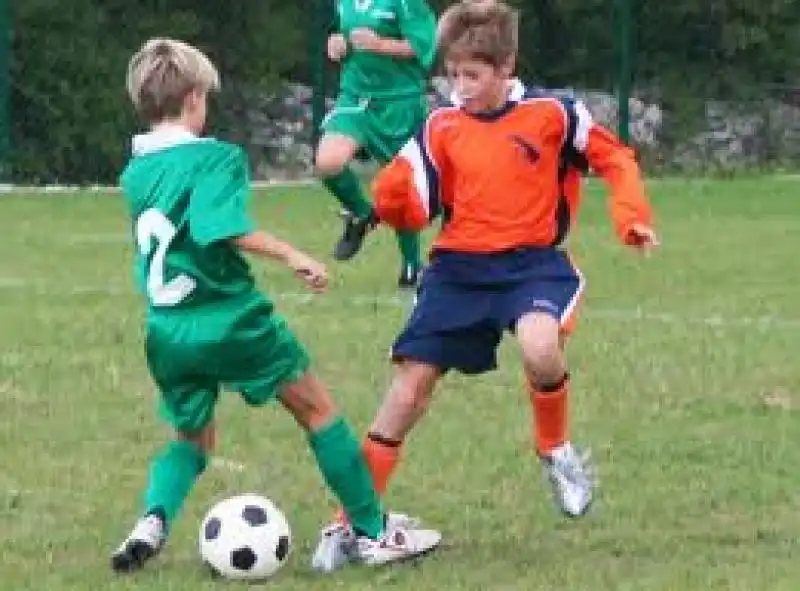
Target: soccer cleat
<point>355,230</point>
<point>337,541</point>
<point>409,277</point>
<point>144,542</point>
<point>398,543</point>
<point>572,477</point>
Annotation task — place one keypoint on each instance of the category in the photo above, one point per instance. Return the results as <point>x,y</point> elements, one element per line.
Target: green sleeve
<point>418,27</point>
<point>218,205</point>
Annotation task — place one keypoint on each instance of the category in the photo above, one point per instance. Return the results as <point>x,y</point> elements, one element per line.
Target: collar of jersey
<point>161,139</point>
<point>516,94</point>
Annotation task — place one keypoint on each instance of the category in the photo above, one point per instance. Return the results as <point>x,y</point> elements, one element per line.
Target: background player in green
<point>386,48</point>
<point>207,324</point>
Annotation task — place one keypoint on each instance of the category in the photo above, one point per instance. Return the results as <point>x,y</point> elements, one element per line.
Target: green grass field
<point>686,387</point>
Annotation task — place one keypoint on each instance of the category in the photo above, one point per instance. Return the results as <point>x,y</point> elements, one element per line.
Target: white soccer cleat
<point>336,540</point>
<point>337,543</point>
<point>397,544</point>
<point>572,477</point>
<point>143,543</point>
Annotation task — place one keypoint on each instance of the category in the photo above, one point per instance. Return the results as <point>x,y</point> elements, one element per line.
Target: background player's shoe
<point>355,230</point>
<point>395,545</point>
<point>337,541</point>
<point>572,477</point>
<point>409,277</point>
<point>143,543</point>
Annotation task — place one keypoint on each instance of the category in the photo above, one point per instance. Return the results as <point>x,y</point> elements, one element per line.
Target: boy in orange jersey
<point>494,168</point>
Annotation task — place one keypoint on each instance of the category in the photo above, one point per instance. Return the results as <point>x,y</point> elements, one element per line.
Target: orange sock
<point>382,456</point>
<point>549,415</point>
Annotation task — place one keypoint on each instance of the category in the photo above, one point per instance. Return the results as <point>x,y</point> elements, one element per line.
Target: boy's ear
<point>507,69</point>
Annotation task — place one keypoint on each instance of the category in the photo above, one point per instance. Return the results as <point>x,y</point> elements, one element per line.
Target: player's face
<point>480,86</point>
<point>196,109</point>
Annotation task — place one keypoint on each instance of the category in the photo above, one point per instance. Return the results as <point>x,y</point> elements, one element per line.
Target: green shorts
<point>258,356</point>
<point>380,126</point>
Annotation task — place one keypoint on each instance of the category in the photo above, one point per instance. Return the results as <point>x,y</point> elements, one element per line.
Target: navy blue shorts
<point>466,302</point>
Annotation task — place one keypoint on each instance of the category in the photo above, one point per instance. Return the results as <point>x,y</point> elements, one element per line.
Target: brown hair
<point>162,73</point>
<point>479,29</point>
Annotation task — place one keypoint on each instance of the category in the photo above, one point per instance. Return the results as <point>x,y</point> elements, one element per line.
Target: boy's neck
<point>502,98</point>
<point>171,126</point>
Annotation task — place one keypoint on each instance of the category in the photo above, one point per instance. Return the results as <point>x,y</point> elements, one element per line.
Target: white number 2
<point>154,230</point>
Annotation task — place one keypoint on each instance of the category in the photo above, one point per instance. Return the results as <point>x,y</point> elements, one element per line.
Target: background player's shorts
<point>466,302</point>
<point>258,356</point>
<point>380,126</point>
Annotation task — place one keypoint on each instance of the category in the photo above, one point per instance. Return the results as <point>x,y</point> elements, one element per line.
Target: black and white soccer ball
<point>245,537</point>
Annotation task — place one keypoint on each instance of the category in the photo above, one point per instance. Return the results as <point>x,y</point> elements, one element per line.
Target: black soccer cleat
<point>144,542</point>
<point>410,276</point>
<point>355,230</point>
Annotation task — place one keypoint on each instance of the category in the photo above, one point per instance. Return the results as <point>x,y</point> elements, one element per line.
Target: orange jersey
<point>508,179</point>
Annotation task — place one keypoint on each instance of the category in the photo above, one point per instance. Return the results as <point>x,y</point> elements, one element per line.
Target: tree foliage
<point>71,118</point>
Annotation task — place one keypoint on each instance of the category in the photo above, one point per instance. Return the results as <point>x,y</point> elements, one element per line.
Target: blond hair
<point>163,72</point>
<point>479,29</point>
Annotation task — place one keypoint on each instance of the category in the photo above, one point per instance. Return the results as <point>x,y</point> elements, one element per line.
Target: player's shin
<point>549,406</point>
<point>347,189</point>
<point>342,464</point>
<point>173,473</point>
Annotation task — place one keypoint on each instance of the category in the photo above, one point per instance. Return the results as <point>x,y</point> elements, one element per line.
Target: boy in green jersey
<point>207,325</point>
<point>386,48</point>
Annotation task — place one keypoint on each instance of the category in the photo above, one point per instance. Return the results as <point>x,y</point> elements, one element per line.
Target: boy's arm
<point>418,30</point>
<point>266,245</point>
<point>616,164</point>
<point>218,212</point>
<point>418,27</point>
<point>408,191</point>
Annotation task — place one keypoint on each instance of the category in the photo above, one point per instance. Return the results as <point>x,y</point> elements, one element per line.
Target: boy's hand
<point>313,273</point>
<point>366,39</point>
<point>643,238</point>
<point>337,47</point>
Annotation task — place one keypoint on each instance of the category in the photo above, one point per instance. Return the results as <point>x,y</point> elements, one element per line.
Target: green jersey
<point>370,75</point>
<point>187,197</point>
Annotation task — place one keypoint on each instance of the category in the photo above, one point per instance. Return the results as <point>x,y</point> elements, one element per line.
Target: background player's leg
<point>388,127</point>
<point>410,251</point>
<point>334,153</point>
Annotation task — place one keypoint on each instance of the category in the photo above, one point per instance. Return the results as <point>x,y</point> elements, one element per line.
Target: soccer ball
<point>245,537</point>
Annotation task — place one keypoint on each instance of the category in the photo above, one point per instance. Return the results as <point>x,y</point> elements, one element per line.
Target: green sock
<point>346,187</point>
<point>172,475</point>
<point>342,464</point>
<point>409,248</point>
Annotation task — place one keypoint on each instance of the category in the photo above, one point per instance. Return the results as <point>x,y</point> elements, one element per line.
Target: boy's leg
<point>278,367</point>
<point>345,471</point>
<point>342,138</point>
<point>540,311</point>
<point>389,126</point>
<point>173,471</point>
<point>410,251</point>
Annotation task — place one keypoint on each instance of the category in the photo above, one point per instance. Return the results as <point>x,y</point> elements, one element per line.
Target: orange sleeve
<point>407,191</point>
<point>616,164</point>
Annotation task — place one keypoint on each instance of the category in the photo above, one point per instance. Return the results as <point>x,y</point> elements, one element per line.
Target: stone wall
<point>706,136</point>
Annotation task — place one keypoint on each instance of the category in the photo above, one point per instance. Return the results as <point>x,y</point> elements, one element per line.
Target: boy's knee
<point>408,399</point>
<point>205,438</point>
<point>331,159</point>
<point>309,401</point>
<point>540,339</point>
